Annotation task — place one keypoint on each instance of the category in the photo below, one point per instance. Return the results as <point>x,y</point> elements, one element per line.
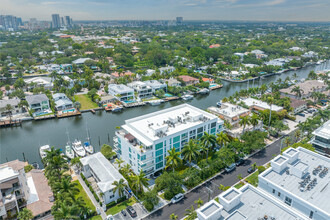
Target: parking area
<point>140,211</point>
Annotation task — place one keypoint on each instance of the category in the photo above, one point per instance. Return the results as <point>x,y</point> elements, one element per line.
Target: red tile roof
<point>186,78</point>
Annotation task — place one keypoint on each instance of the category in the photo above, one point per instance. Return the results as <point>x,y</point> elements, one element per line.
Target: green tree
<point>140,180</point>
<point>191,214</point>
<point>119,162</point>
<point>222,139</point>
<point>244,122</point>
<point>297,91</point>
<point>199,202</point>
<point>66,187</point>
<point>150,199</point>
<point>208,142</point>
<point>25,214</point>
<point>190,151</point>
<point>173,216</point>
<point>107,151</point>
<point>270,101</point>
<point>119,187</point>
<point>172,159</point>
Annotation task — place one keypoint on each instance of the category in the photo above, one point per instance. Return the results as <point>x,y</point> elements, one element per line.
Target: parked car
<point>131,211</point>
<point>240,162</point>
<point>109,217</point>
<point>251,170</point>
<point>123,212</point>
<point>230,168</point>
<point>177,198</point>
<point>301,114</point>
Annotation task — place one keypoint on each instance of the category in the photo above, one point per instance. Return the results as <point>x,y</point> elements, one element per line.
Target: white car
<point>109,217</point>
<point>177,198</point>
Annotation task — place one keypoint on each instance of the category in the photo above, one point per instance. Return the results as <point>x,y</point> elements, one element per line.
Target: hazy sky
<point>273,10</point>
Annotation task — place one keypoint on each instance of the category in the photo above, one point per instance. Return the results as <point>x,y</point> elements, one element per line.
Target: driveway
<point>210,189</point>
<point>139,211</point>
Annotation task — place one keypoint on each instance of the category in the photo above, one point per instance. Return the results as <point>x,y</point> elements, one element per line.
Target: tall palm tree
<point>244,122</point>
<point>172,159</point>
<point>64,211</point>
<point>270,101</point>
<point>190,151</point>
<point>51,153</point>
<point>140,180</point>
<point>199,202</point>
<point>297,91</point>
<point>227,125</point>
<point>9,109</point>
<point>191,213</point>
<point>120,187</point>
<point>66,187</point>
<point>56,167</point>
<point>222,138</point>
<point>209,142</point>
<point>25,214</point>
<point>287,141</point>
<point>119,162</point>
<point>173,216</point>
<point>297,134</point>
<point>254,120</point>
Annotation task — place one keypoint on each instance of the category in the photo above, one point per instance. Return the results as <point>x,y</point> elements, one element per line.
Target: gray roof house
<point>13,103</point>
<point>38,102</point>
<point>156,85</point>
<point>62,101</point>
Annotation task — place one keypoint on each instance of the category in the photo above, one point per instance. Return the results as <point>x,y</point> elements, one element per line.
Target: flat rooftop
<point>254,102</point>
<point>323,131</point>
<point>230,110</point>
<point>208,210</point>
<point>6,173</point>
<point>230,195</point>
<point>280,160</point>
<point>317,195</point>
<point>256,204</point>
<point>153,126</point>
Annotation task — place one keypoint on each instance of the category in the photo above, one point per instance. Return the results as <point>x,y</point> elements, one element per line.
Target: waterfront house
<point>122,92</point>
<point>62,102</point>
<point>188,80</point>
<point>14,103</point>
<point>96,166</point>
<point>306,89</point>
<point>156,85</point>
<point>258,105</point>
<point>38,103</point>
<point>209,80</point>
<point>141,88</point>
<point>107,99</point>
<point>172,82</point>
<point>118,74</point>
<point>143,141</point>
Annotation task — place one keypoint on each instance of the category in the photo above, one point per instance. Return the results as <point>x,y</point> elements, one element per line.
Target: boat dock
<point>216,87</point>
<point>167,99</point>
<point>133,104</point>
<point>44,117</point>
<point>68,114</point>
<point>9,123</point>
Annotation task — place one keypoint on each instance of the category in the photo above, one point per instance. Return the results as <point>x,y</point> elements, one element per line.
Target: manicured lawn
<point>253,179</point>
<point>239,185</point>
<point>96,217</point>
<point>85,101</point>
<point>117,208</point>
<point>84,195</point>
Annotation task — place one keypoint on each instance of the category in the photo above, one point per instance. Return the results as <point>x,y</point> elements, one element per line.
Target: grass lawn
<point>85,101</point>
<point>117,208</point>
<point>84,195</point>
<point>96,217</point>
<point>253,179</point>
<point>239,185</point>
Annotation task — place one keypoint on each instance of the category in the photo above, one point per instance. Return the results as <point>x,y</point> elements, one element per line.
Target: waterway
<point>15,141</point>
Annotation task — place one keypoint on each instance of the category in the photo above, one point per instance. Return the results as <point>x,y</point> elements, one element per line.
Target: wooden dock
<point>133,104</point>
<point>9,123</point>
<point>69,114</point>
<point>167,99</point>
<point>216,87</point>
<point>44,117</point>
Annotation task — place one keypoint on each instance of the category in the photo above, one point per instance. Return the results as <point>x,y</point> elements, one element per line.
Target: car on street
<point>230,168</point>
<point>240,162</point>
<point>131,211</point>
<point>177,198</point>
<point>123,212</point>
<point>109,217</point>
<point>251,170</point>
<point>301,114</point>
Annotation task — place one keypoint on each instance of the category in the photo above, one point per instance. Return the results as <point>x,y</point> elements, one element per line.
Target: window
<point>185,135</point>
<point>212,130</point>
<point>176,139</point>
<point>213,125</point>
<point>138,156</point>
<point>278,194</point>
<point>159,152</point>
<point>159,165</point>
<point>273,190</point>
<point>159,145</point>
<point>158,159</point>
<point>130,156</point>
<point>143,157</point>
<point>311,214</point>
<point>176,145</point>
<point>200,130</point>
<point>112,196</point>
<point>288,201</point>
<point>129,149</point>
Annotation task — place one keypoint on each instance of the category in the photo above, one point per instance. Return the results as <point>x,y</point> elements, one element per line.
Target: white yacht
<point>88,147</point>
<point>78,148</point>
<point>69,152</point>
<point>42,151</point>
<point>187,97</point>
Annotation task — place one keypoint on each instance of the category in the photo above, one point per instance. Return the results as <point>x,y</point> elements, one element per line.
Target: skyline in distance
<point>251,10</point>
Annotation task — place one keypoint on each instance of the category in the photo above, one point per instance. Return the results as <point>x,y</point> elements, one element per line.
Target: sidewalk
<point>90,195</point>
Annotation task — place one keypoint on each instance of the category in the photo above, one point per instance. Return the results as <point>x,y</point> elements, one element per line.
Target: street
<point>210,189</point>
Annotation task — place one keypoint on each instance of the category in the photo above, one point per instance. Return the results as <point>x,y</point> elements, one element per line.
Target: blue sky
<point>269,10</point>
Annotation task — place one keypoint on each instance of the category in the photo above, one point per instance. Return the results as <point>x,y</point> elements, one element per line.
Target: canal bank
<point>14,141</point>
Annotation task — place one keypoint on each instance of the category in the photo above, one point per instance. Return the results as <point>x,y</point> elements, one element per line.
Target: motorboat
<point>117,108</point>
<point>204,91</point>
<point>42,151</point>
<point>69,152</point>
<point>78,148</point>
<point>187,97</point>
<point>155,102</point>
<point>219,104</point>
<point>88,147</point>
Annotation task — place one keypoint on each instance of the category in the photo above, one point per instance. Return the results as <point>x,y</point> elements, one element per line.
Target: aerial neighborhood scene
<point>185,110</point>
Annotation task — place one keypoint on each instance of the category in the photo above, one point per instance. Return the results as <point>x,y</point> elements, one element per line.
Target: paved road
<point>202,192</point>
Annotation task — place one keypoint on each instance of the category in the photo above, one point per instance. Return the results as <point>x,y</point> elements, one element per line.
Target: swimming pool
<point>68,111</point>
<point>212,85</point>
<point>129,101</point>
<point>168,95</point>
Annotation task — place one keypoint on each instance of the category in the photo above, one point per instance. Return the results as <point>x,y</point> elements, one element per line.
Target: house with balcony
<point>62,102</point>
<point>306,89</point>
<point>99,168</point>
<point>38,103</point>
<point>141,89</point>
<point>156,85</point>
<point>258,105</point>
<point>14,103</point>
<point>143,141</point>
<point>321,139</point>
<point>122,92</point>
<point>188,80</point>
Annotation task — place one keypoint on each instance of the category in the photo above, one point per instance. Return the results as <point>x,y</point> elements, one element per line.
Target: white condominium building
<point>299,178</point>
<point>143,141</point>
<point>321,139</point>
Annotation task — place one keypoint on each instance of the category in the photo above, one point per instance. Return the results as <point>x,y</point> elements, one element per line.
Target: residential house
<point>257,105</point>
<point>306,89</point>
<point>122,92</point>
<point>156,85</point>
<point>167,69</point>
<point>45,82</point>
<point>107,99</point>
<point>172,82</point>
<point>188,80</point>
<point>142,89</point>
<point>80,61</point>
<point>209,80</point>
<point>298,105</point>
<point>14,103</point>
<point>96,166</point>
<point>38,103</point>
<point>62,102</point>
<point>117,74</point>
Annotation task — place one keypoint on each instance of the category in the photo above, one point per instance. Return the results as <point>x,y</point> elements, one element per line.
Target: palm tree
<point>287,141</point>
<point>190,151</point>
<point>51,153</point>
<point>76,162</point>
<point>25,214</point>
<point>227,125</point>
<point>191,214</point>
<point>199,202</point>
<point>270,101</point>
<point>297,134</point>
<point>222,139</point>
<point>64,211</point>
<point>120,187</point>
<point>56,167</point>
<point>9,108</point>
<point>297,91</point>
<point>173,216</point>
<point>77,105</point>
<point>254,166</point>
<point>119,162</point>
<point>140,180</point>
<point>244,122</point>
<point>209,142</point>
<point>254,120</point>
<point>66,187</point>
<point>172,159</point>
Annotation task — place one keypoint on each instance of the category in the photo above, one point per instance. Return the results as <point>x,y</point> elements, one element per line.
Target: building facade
<point>122,92</point>
<point>321,139</point>
<point>143,142</point>
<point>142,89</point>
<point>38,103</point>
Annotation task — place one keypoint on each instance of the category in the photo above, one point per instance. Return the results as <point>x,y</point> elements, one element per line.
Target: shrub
<point>28,168</point>
<point>83,177</point>
<point>109,205</point>
<point>261,169</point>
<point>168,195</point>
<point>149,206</point>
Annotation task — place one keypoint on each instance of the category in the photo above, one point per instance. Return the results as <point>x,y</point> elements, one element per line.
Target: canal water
<point>101,126</point>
